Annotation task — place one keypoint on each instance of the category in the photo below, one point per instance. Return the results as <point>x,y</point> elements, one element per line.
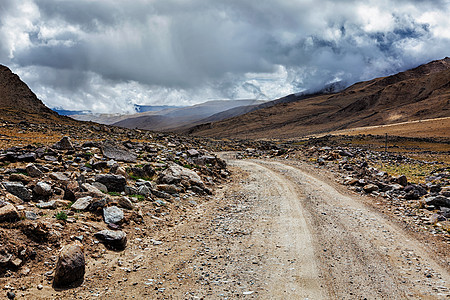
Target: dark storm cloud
<point>175,51</point>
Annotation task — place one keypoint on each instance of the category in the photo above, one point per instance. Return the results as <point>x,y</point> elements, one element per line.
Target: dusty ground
<point>275,231</point>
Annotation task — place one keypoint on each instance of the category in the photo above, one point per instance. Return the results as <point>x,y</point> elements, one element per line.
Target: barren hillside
<point>420,93</point>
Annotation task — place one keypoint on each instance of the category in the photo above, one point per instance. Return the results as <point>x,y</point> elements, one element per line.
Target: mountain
<point>19,103</point>
<point>416,94</point>
<point>169,119</point>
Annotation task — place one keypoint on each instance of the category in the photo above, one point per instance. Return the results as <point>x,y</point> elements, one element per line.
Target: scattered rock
<point>117,152</point>
<point>112,214</point>
<point>42,189</point>
<point>8,212</point>
<point>64,144</point>
<point>70,267</point>
<point>82,203</point>
<point>114,183</point>
<point>116,240</point>
<point>18,189</point>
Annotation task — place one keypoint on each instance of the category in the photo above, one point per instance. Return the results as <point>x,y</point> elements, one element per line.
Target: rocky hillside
<point>19,103</point>
<point>420,93</point>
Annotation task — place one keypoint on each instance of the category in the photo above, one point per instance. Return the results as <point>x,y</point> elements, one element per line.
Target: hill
<point>19,103</point>
<point>416,94</point>
<point>169,119</point>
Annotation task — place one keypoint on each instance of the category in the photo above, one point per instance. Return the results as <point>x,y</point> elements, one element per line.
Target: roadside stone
<point>18,189</point>
<point>439,201</point>
<point>114,183</point>
<point>369,188</point>
<point>117,152</point>
<point>33,171</point>
<point>8,212</point>
<point>70,267</point>
<point>64,144</point>
<point>82,203</point>
<point>116,240</point>
<point>169,188</point>
<point>42,189</point>
<point>112,214</point>
<point>177,174</point>
<point>49,204</point>
<point>125,202</point>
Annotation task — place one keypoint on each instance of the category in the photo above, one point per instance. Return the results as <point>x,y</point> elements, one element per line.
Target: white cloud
<point>107,55</point>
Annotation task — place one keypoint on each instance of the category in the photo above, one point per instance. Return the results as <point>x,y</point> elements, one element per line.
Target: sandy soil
<point>276,231</point>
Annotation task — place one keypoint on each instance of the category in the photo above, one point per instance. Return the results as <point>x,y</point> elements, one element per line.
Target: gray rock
<point>33,171</point>
<point>18,190</point>
<point>169,188</point>
<point>64,144</point>
<point>100,186</point>
<point>42,189</point>
<point>439,201</point>
<point>117,152</point>
<point>8,212</point>
<point>59,176</point>
<point>112,214</point>
<point>70,267</point>
<point>193,152</point>
<point>82,203</point>
<point>92,190</point>
<point>116,240</point>
<point>30,215</point>
<point>114,183</point>
<point>49,204</point>
<point>144,190</point>
<point>27,157</point>
<point>177,174</point>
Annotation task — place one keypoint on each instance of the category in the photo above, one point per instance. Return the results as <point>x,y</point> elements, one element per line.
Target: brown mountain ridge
<point>416,94</point>
<point>19,103</point>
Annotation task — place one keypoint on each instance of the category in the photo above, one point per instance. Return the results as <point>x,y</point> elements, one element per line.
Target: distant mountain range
<point>416,94</point>
<point>168,118</point>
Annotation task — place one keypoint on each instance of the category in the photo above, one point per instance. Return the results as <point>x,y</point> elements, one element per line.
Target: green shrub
<point>61,216</point>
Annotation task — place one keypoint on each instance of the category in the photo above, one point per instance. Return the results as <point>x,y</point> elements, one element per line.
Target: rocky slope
<point>19,103</point>
<point>420,93</point>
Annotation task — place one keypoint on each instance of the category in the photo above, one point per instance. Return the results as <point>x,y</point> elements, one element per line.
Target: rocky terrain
<point>90,192</point>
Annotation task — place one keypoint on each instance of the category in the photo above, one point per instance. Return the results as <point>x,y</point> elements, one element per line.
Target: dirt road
<point>274,232</point>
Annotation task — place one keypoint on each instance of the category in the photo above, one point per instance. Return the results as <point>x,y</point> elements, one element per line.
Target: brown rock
<point>70,267</point>
<point>8,212</point>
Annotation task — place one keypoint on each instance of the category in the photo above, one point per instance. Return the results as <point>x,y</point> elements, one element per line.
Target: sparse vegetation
<point>61,216</point>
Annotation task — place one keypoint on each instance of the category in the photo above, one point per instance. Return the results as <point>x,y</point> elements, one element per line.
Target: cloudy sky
<point>106,56</point>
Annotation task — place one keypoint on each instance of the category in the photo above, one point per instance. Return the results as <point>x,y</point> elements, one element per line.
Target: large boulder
<point>114,183</point>
<point>18,189</point>
<point>116,240</point>
<point>70,267</point>
<point>117,152</point>
<point>175,174</point>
